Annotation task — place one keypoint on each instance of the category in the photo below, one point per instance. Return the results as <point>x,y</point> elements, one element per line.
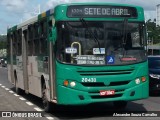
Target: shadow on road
<point>34,99</point>
<point>94,110</point>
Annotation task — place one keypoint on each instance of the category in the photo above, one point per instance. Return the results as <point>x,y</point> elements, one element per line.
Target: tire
<point>120,104</point>
<point>46,104</point>
<point>18,90</point>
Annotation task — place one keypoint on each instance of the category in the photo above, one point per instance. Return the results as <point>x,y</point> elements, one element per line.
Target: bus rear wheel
<point>18,90</point>
<point>46,104</point>
<point>120,104</point>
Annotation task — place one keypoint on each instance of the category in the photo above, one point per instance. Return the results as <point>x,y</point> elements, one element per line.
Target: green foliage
<point>3,41</point>
<point>153,31</point>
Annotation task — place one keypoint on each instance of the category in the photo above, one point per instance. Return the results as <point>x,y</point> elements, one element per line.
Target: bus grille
<point>105,72</point>
<point>101,84</point>
<point>119,83</point>
<point>96,84</point>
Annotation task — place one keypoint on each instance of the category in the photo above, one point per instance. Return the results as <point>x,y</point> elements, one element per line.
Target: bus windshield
<point>77,45</point>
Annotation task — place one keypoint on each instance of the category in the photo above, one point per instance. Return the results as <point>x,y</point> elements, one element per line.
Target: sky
<point>13,12</point>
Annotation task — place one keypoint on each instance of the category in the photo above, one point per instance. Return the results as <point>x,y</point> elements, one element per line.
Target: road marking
<point>29,103</point>
<point>11,91</point>
<point>50,118</point>
<point>21,98</point>
<point>38,109</point>
<point>16,95</point>
<point>6,88</point>
<point>3,86</point>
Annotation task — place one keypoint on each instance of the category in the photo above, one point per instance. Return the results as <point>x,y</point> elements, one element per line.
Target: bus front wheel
<point>120,104</point>
<point>46,104</point>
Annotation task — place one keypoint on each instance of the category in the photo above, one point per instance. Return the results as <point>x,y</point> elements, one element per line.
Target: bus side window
<point>43,38</point>
<point>30,40</point>
<point>19,42</point>
<point>8,47</point>
<point>36,39</point>
<point>50,28</point>
<point>14,43</point>
<point>35,30</point>
<point>36,47</point>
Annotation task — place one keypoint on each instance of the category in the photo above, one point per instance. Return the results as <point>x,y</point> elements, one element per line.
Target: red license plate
<point>107,92</point>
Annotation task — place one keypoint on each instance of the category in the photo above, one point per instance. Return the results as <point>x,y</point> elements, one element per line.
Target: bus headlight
<point>137,81</point>
<point>72,84</point>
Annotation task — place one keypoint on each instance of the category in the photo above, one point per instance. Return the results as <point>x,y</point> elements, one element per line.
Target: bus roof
<point>30,21</point>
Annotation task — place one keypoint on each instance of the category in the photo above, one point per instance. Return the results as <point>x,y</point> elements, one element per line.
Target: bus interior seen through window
<point>75,36</point>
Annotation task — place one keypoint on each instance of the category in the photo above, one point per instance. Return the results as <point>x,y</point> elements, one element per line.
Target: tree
<point>3,41</point>
<point>154,31</point>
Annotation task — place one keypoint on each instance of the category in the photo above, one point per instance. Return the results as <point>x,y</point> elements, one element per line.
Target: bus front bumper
<point>69,96</point>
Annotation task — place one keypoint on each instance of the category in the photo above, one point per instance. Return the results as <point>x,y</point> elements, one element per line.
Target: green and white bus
<point>81,53</point>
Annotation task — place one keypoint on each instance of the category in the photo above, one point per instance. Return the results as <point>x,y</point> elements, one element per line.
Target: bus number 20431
<point>89,80</point>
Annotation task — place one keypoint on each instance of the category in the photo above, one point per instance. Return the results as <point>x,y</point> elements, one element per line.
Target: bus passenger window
<point>36,46</point>
<point>30,48</point>
<point>8,45</point>
<point>30,40</point>
<point>19,42</point>
<point>43,38</point>
<point>14,42</point>
<point>35,29</point>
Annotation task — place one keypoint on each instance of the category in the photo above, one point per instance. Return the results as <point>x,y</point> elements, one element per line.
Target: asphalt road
<point>10,101</point>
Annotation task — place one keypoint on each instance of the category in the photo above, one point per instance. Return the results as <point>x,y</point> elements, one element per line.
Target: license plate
<point>107,92</point>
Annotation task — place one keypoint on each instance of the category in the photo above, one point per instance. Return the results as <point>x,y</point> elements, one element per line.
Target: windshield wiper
<point>125,26</point>
<point>91,33</point>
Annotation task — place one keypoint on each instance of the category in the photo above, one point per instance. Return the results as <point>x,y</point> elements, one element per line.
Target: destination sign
<point>101,11</point>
